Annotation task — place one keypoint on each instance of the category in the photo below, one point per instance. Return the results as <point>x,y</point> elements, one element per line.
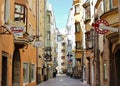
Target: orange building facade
<point>17,36</point>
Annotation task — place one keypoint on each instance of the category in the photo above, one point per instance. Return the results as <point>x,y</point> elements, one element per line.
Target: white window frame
<point>27,73</point>
<point>33,73</point>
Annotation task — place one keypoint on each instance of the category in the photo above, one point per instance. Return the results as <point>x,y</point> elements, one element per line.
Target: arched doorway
<point>117,66</point>
<point>16,68</point>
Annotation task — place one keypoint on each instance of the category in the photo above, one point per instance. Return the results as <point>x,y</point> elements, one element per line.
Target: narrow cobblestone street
<point>63,81</point>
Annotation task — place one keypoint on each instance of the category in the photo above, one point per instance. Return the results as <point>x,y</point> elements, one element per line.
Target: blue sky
<point>61,10</point>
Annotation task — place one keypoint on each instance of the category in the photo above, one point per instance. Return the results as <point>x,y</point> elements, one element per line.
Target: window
<point>110,4</point>
<point>106,5</point>
<point>20,14</point>
<point>105,70</point>
<point>89,39</point>
<point>78,45</point>
<point>7,10</point>
<point>62,63</point>
<point>87,36</point>
<point>59,38</point>
<point>25,72</point>
<point>77,9</point>
<point>77,27</point>
<point>89,44</point>
<point>63,50</point>
<point>31,4</point>
<point>63,57</point>
<point>32,72</point>
<point>87,12</point>
<point>48,35</point>
<point>63,44</point>
<point>48,18</point>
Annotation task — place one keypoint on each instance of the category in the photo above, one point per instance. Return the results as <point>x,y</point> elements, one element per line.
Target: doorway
<point>117,64</point>
<point>4,71</point>
<point>16,68</point>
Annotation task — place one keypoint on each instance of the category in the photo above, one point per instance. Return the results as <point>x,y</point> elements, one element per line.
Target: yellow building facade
<point>78,37</point>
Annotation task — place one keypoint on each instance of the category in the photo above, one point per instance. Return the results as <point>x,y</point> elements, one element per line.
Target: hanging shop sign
<point>38,44</point>
<point>100,23</point>
<point>18,31</point>
<point>17,28</point>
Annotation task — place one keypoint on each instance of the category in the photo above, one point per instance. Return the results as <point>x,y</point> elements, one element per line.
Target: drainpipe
<point>37,37</point>
<point>96,59</point>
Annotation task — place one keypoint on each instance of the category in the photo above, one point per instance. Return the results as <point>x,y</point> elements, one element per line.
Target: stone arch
<point>116,54</point>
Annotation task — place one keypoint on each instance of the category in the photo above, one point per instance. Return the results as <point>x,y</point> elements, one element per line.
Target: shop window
<point>25,72</point>
<point>32,72</point>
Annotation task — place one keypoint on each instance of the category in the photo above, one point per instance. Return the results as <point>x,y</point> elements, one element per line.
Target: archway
<point>117,66</point>
<point>16,68</point>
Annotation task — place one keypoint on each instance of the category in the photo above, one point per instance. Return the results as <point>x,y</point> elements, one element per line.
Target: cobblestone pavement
<point>63,81</point>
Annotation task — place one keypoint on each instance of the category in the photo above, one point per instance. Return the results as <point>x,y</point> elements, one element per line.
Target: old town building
<point>61,49</point>
<point>89,43</point>
<point>17,34</point>
<point>79,39</point>
<point>108,10</point>
<point>25,37</point>
<point>70,34</point>
<point>102,48</point>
